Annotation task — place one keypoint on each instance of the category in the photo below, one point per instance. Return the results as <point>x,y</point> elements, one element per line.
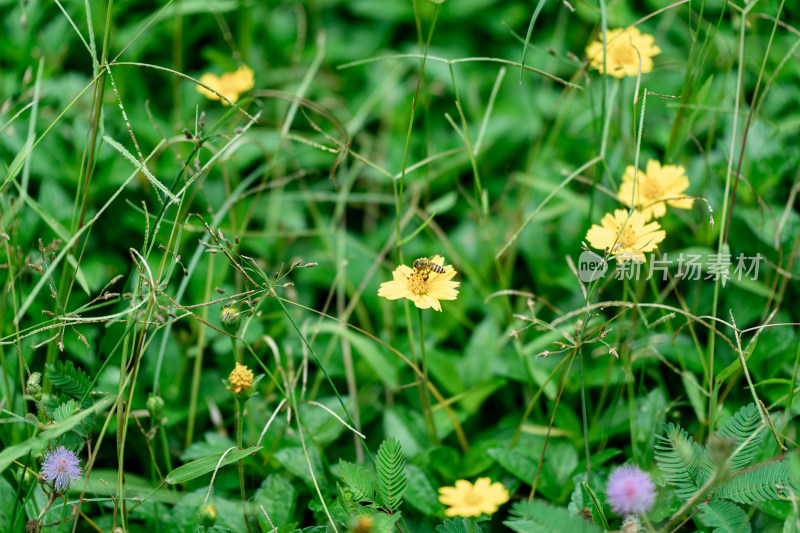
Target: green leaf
<point>277,496</point>
<point>459,525</point>
<point>772,481</point>
<point>724,517</point>
<point>516,462</point>
<point>683,461</point>
<point>540,517</point>
<point>358,481</point>
<point>384,523</point>
<point>740,427</point>
<point>420,493</point>
<point>391,466</point>
<point>197,468</point>
<point>69,379</point>
<point>213,443</point>
<point>65,410</point>
<point>294,460</point>
<point>695,394</point>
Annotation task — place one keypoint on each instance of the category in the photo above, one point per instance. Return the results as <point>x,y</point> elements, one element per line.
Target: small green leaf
<point>459,525</point>
<point>391,466</point>
<point>65,410</point>
<point>197,468</point>
<point>358,481</point>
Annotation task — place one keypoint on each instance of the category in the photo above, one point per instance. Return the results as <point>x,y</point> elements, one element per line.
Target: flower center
<point>626,237</point>
<point>630,489</point>
<point>624,54</point>
<point>61,465</point>
<point>651,189</point>
<point>418,280</point>
<point>472,498</point>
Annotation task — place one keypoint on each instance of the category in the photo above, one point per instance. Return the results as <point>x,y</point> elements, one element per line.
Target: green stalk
<point>426,403</point>
<point>239,430</point>
<point>198,358</point>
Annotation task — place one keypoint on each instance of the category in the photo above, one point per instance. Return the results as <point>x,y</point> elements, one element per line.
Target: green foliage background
<point>315,179</point>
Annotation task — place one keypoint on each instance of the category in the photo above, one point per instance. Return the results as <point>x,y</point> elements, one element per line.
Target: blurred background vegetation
<point>314,179</point>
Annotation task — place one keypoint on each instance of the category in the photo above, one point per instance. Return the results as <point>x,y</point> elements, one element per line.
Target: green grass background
<point>485,150</point>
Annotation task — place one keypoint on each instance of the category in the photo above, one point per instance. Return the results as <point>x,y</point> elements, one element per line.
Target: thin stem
<point>426,401</point>
<point>239,430</point>
<point>585,419</point>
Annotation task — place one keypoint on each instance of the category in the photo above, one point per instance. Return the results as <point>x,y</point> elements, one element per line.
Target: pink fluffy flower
<point>630,490</point>
<point>60,467</point>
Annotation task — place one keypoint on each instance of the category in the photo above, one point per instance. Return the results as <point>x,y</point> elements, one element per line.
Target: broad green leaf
<point>278,497</point>
<point>420,493</point>
<point>294,460</point>
<point>516,462</point>
<point>197,468</point>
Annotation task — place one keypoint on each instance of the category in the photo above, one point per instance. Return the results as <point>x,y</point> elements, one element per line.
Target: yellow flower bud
<point>241,378</point>
<point>208,515</point>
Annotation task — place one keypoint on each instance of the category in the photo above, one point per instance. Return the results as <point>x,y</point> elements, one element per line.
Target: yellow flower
<point>229,84</point>
<point>427,283</point>
<point>466,499</point>
<point>241,378</point>
<point>627,238</point>
<point>658,183</point>
<point>622,58</point>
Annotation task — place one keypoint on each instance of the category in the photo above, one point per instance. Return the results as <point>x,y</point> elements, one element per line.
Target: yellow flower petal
<point>425,284</point>
<point>654,189</point>
<point>626,49</point>
<point>625,237</point>
<point>230,84</point>
<point>466,499</point>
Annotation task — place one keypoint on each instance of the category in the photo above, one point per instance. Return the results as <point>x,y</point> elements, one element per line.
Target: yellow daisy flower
<point>627,238</point>
<point>621,57</point>
<point>425,284</point>
<point>229,84</point>
<point>466,499</point>
<point>657,183</point>
<point>241,378</point>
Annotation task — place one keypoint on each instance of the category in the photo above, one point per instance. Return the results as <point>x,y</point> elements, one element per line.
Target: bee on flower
<point>428,282</point>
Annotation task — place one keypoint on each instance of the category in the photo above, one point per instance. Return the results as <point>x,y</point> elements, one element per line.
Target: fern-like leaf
<point>771,481</point>
<point>684,462</point>
<point>391,467</point>
<point>358,481</point>
<point>69,379</point>
<point>64,411</point>
<point>459,525</point>
<point>740,427</point>
<point>540,517</point>
<point>724,517</point>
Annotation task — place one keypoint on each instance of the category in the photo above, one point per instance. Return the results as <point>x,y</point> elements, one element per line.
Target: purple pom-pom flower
<point>60,467</point>
<point>630,490</point>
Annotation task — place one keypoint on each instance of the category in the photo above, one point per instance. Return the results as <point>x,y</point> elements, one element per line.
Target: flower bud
<point>155,405</point>
<point>241,378</point>
<point>208,515</point>
<point>230,319</point>
<point>34,386</point>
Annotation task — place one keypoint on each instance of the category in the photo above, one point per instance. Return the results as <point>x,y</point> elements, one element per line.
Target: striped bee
<point>425,264</point>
